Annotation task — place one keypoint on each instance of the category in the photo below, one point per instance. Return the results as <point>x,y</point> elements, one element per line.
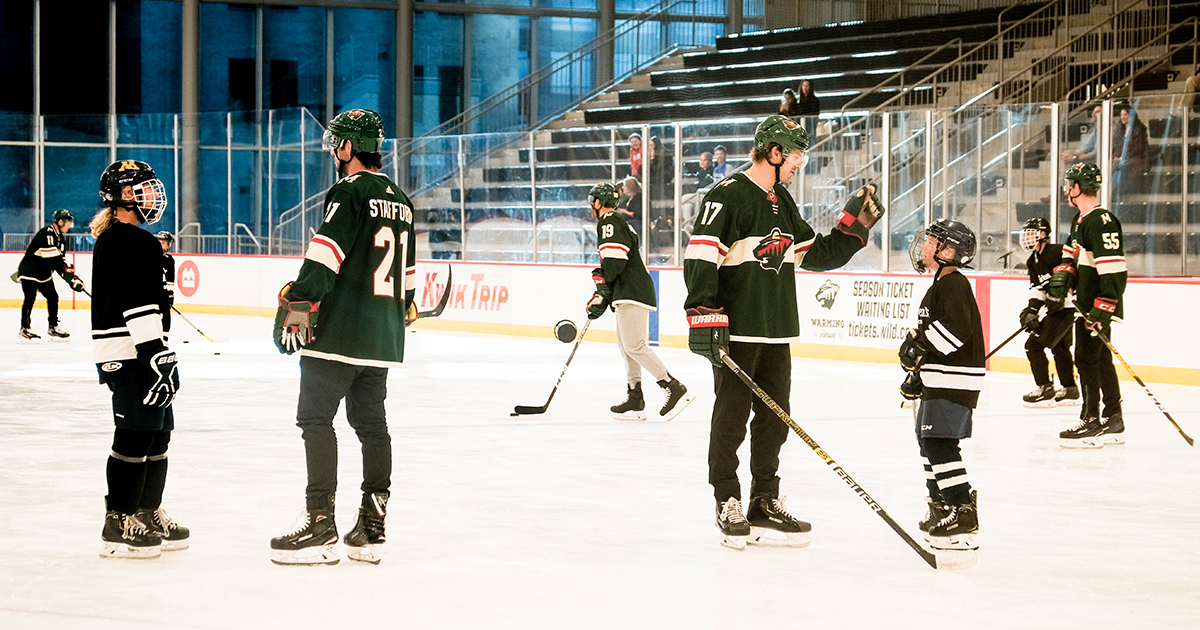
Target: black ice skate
<point>28,336</point>
<point>365,542</point>
<point>175,537</point>
<point>677,399</point>
<point>125,536</point>
<point>772,526</point>
<point>1068,396</point>
<point>634,407</point>
<point>1083,435</point>
<point>1043,396</point>
<point>57,334</point>
<point>936,512</point>
<point>956,531</point>
<point>311,540</point>
<point>1112,430</point>
<point>732,524</point>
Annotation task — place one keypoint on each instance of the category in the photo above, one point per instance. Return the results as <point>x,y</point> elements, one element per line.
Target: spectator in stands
<point>705,176</point>
<point>660,173</point>
<point>1086,151</point>
<point>788,105</point>
<point>630,203</point>
<point>1191,91</point>
<point>1130,156</point>
<point>808,106</point>
<point>635,155</point>
<point>721,168</point>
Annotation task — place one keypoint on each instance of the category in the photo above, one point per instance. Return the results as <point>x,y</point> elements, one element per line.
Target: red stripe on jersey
<point>709,241</point>
<point>321,240</point>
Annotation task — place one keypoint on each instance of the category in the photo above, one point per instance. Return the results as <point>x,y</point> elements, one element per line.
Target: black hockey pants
<point>323,384</point>
<point>770,365</point>
<point>1097,374</point>
<point>1035,350</point>
<point>31,289</point>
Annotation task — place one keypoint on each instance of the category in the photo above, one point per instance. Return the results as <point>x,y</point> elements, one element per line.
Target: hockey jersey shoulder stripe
<point>1110,264</point>
<point>48,252</point>
<point>706,248</point>
<point>325,251</point>
<point>614,250</point>
<point>942,339</point>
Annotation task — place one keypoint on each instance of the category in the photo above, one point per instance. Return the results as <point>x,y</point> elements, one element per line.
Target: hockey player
<point>739,270</point>
<point>360,270</point>
<point>1049,330</point>
<point>166,239</point>
<point>1094,268</point>
<point>133,360</point>
<point>944,360</point>
<point>45,256</point>
<point>623,284</point>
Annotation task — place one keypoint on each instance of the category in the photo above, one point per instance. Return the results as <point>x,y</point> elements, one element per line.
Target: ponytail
<point>102,221</point>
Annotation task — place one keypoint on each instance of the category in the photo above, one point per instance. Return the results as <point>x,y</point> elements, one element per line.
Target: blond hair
<point>102,221</point>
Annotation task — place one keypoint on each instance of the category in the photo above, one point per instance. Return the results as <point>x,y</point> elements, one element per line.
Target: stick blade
<point>220,339</point>
<point>520,410</point>
<point>954,560</point>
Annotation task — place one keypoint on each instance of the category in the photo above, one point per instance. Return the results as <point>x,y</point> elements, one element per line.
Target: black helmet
<point>63,215</point>
<point>948,234</point>
<point>149,195</point>
<point>1036,230</point>
<point>166,237</point>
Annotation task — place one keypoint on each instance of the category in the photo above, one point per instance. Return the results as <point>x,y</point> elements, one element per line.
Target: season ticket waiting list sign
<point>867,311</point>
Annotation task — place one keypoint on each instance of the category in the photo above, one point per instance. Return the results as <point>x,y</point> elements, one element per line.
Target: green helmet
<point>781,130</point>
<point>605,193</point>
<point>362,127</point>
<point>1086,174</point>
<point>63,215</point>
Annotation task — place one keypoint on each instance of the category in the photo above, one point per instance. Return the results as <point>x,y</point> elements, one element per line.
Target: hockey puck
<point>565,331</point>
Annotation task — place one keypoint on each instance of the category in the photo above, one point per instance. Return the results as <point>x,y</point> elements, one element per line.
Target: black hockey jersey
<point>743,254</point>
<point>948,322</point>
<point>44,256</point>
<point>127,296</point>
<point>621,263</point>
<point>1041,267</point>
<point>1096,247</point>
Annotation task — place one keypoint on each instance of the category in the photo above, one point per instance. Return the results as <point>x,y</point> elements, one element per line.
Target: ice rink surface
<point>571,519</point>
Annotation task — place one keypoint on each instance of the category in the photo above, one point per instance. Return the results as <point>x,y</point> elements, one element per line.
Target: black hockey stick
<point>521,410</point>
<point>1003,343</point>
<point>1103,337</point>
<point>441,305</point>
<point>946,560</point>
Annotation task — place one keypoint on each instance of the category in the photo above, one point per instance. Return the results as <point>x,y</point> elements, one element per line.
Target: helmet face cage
<point>149,194</point>
<point>151,199</point>
<point>946,234</point>
<point>1036,230</point>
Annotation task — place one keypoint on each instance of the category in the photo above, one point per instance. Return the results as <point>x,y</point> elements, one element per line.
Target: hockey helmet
<point>63,215</point>
<point>1086,174</point>
<point>605,193</point>
<point>1036,230</point>
<point>166,237</point>
<point>781,130</point>
<point>362,127</point>
<point>944,234</point>
<point>149,194</point>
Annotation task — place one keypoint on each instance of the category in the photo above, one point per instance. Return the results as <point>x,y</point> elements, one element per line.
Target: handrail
<point>1116,87</point>
<point>956,41</point>
<point>246,228</point>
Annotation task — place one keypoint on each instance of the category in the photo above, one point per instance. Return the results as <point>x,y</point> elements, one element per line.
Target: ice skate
<point>1068,396</point>
<point>125,536</point>
<point>936,512</point>
<point>175,537</point>
<point>733,524</point>
<point>634,407</point>
<point>1112,430</point>
<point>365,542</point>
<point>772,526</point>
<point>313,540</point>
<point>27,336</point>
<point>1041,397</point>
<point>957,530</point>
<point>1082,435</point>
<point>677,398</point>
<point>57,334</point>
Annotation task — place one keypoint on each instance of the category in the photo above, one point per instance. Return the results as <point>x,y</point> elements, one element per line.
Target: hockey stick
<point>1003,343</point>
<point>945,560</point>
<point>441,305</point>
<point>1103,337</point>
<point>521,410</point>
<point>217,340</point>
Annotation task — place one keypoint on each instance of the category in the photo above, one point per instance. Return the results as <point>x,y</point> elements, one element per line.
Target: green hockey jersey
<point>743,253</point>
<point>361,267</point>
<point>622,264</point>
<point>1096,248</point>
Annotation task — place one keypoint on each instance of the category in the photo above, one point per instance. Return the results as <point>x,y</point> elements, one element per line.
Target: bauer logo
<point>187,279</point>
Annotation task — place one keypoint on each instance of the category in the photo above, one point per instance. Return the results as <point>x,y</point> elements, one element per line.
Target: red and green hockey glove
<point>709,332</point>
<point>294,322</point>
<point>1100,318</point>
<point>860,214</point>
<point>1061,282</point>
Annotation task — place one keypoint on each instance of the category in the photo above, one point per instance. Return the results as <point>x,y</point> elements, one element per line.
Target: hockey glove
<point>913,351</point>
<point>860,214</point>
<point>1029,319</point>
<point>411,315</point>
<point>1100,317</point>
<point>602,297</point>
<point>912,388</point>
<point>294,322</point>
<point>73,280</point>
<point>709,332</point>
<point>1061,283</point>
<point>164,379</point>
<point>596,306</point>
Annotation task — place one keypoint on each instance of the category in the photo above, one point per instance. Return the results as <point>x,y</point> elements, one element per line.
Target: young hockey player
<point>739,270</point>
<point>359,277</point>
<point>45,256</point>
<point>944,360</point>
<point>1094,268</point>
<point>623,283</point>
<point>1049,330</point>
<point>133,360</point>
<point>166,239</point>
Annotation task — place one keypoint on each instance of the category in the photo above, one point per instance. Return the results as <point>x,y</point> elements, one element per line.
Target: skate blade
<point>734,542</point>
<point>27,342</point>
<point>59,339</point>
<point>175,545</point>
<point>1079,443</point>
<point>128,552</point>
<point>1045,404</point>
<point>679,407</point>
<point>767,537</point>
<point>955,560</point>
<point>957,542</point>
<point>1069,402</point>
<point>1111,439</point>
<point>630,416</point>
<point>371,554</point>
<point>324,554</point>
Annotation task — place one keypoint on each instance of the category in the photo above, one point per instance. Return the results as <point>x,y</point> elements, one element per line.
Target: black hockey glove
<point>602,297</point>
<point>912,388</point>
<point>860,214</point>
<point>294,322</point>
<point>709,332</point>
<point>913,351</point>
<point>164,379</point>
<point>72,279</point>
<point>1029,319</point>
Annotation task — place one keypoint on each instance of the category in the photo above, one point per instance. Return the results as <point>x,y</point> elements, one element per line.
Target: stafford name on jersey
<point>390,210</point>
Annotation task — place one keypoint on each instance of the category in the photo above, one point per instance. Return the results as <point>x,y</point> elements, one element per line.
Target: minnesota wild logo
<point>771,250</point>
<point>826,294</point>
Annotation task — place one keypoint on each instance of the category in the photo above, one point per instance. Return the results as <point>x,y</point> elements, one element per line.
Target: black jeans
<point>770,365</point>
<point>31,289</point>
<point>323,385</point>
<point>1097,374</point>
